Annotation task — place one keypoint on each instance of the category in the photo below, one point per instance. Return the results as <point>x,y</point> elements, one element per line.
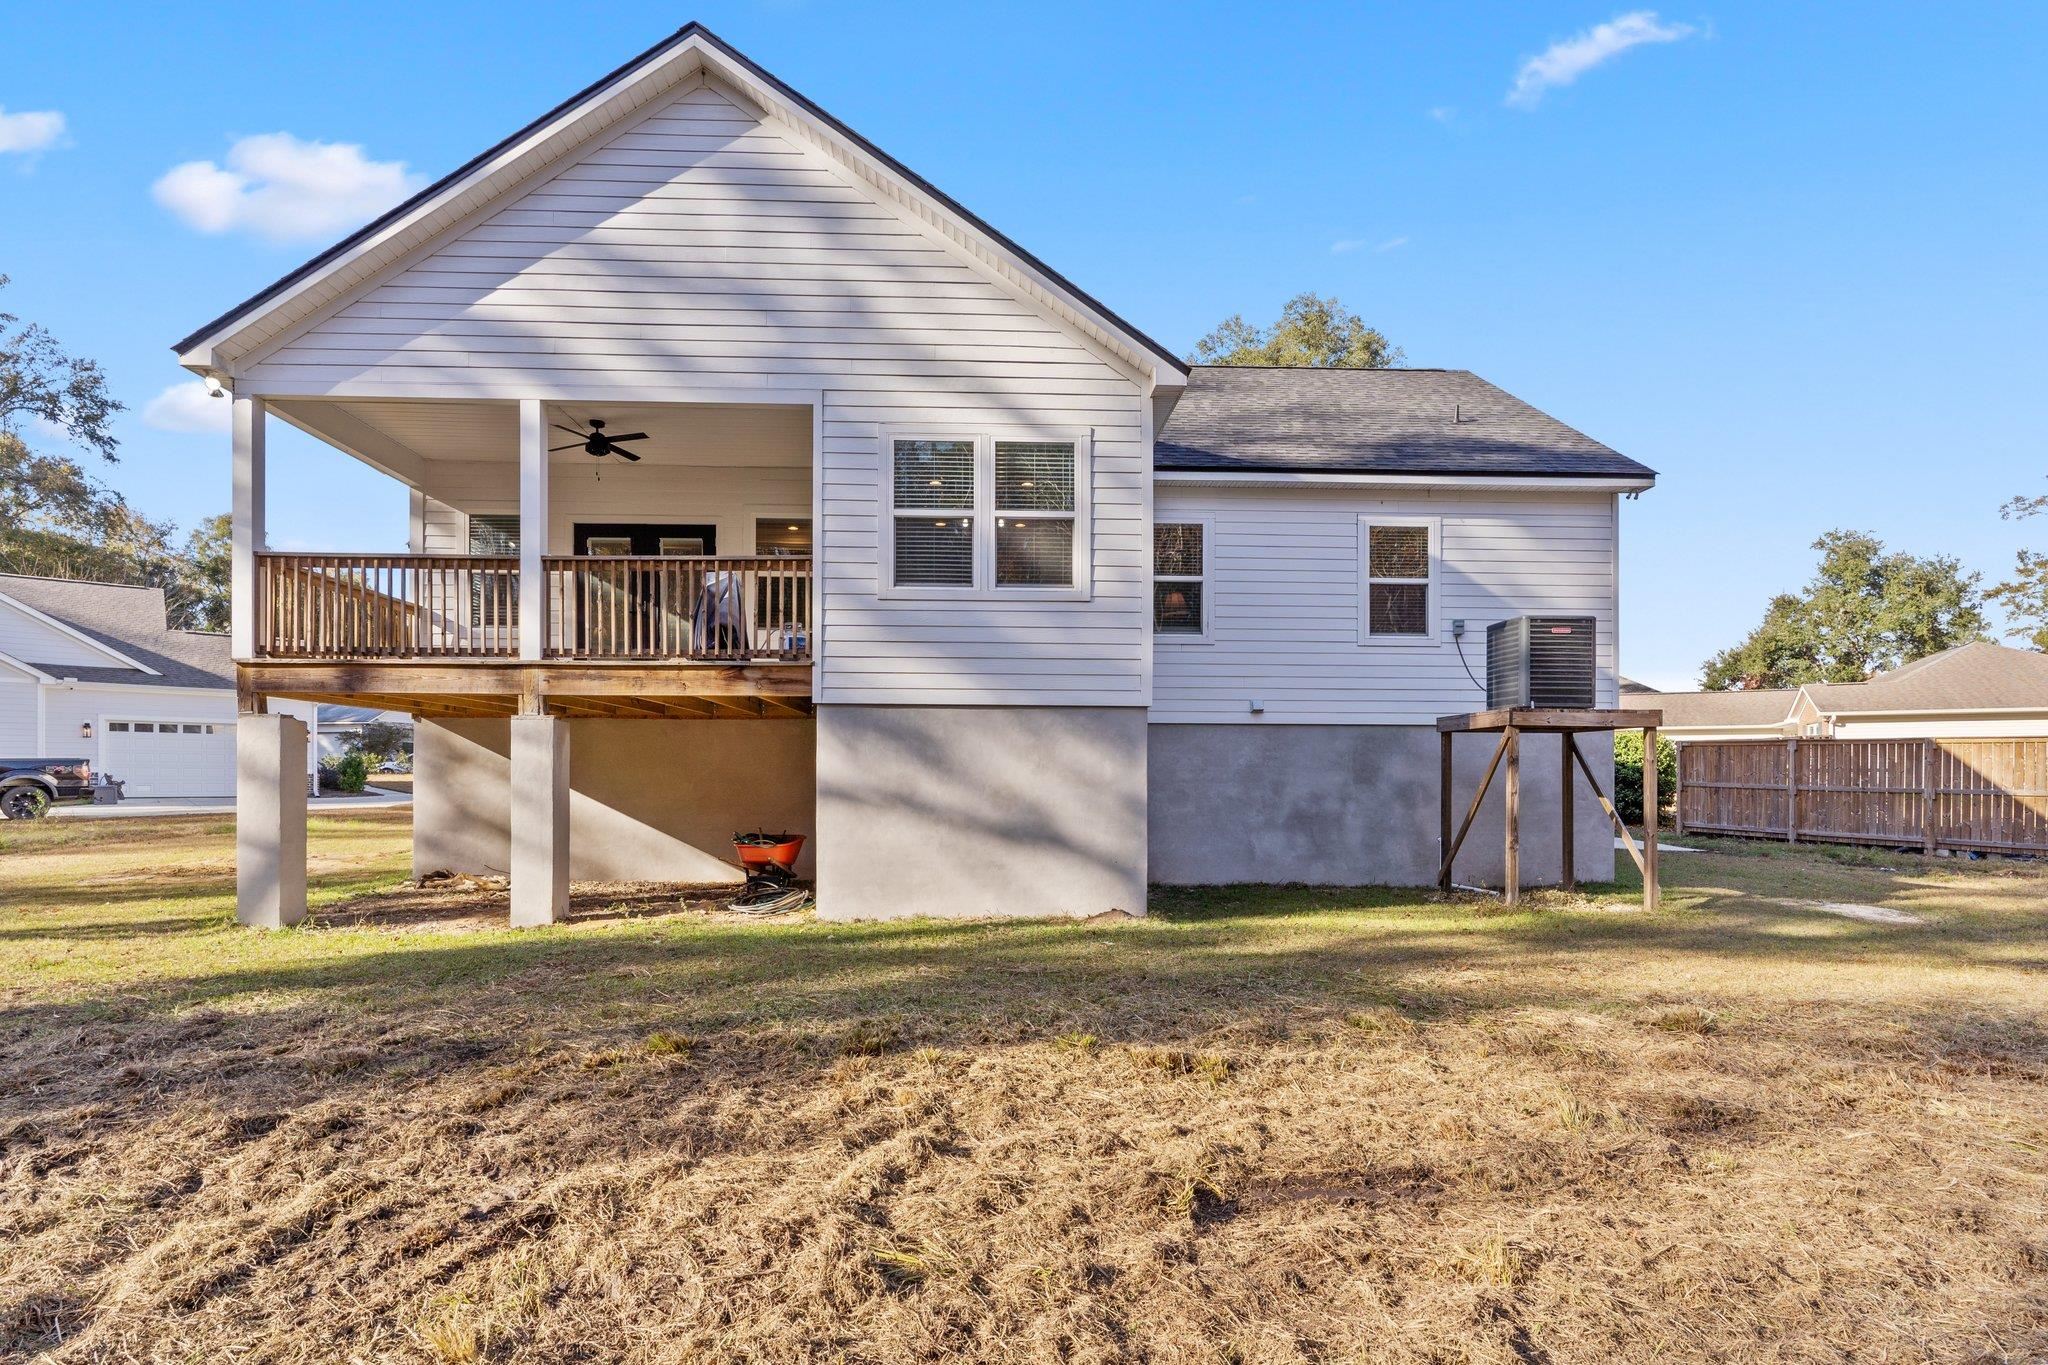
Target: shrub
<point>1628,774</point>
<point>347,773</point>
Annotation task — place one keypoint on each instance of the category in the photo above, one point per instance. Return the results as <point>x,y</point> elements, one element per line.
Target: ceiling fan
<point>597,441</point>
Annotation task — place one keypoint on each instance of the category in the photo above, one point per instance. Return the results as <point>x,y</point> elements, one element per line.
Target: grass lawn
<point>1264,1125</point>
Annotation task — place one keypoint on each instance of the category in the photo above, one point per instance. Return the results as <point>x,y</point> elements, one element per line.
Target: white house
<point>92,671</point>
<point>914,546</point>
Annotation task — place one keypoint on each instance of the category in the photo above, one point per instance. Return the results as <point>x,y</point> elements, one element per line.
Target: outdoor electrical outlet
<point>1457,627</point>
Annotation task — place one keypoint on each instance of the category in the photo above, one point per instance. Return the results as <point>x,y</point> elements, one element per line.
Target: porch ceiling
<point>395,433</point>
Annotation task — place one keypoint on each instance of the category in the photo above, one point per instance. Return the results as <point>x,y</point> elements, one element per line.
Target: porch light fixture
<point>85,730</point>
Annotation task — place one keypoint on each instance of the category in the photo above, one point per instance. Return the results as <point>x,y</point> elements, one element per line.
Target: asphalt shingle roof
<point>1979,676</point>
<point>1330,421</point>
<point>130,620</point>
<point>1761,706</point>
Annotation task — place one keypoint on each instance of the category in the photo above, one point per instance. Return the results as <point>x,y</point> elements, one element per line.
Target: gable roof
<point>1980,676</point>
<point>131,622</point>
<point>612,97</point>
<point>1275,419</point>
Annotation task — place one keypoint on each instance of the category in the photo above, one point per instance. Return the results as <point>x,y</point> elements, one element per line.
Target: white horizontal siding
<point>18,738</point>
<point>1284,593</point>
<point>697,249</point>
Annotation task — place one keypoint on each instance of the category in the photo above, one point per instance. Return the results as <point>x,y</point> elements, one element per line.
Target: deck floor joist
<point>491,689</point>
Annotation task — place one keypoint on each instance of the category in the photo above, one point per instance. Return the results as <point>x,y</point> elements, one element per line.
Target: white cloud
<point>188,407</point>
<point>282,188</point>
<point>1350,244</point>
<point>1570,58</point>
<point>1443,113</point>
<point>31,130</point>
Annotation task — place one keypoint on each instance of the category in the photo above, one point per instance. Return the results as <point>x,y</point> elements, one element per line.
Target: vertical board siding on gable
<point>1284,586</point>
<point>699,248</point>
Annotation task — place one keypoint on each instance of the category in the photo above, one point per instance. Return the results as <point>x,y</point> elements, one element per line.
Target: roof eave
<point>1298,478</point>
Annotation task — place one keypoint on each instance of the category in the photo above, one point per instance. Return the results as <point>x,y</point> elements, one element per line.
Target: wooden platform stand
<point>1568,725</point>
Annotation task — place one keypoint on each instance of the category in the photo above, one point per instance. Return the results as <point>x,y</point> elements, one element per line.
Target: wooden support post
<point>1613,816</point>
<point>1511,852</point>
<point>1650,813</point>
<point>1791,791</point>
<point>1443,810</point>
<point>1928,753</point>
<point>1471,813</point>
<point>1567,780</point>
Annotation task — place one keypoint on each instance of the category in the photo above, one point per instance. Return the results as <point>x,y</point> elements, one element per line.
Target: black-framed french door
<point>621,604</point>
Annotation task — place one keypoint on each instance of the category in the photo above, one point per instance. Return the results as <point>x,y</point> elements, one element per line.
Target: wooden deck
<point>443,689</point>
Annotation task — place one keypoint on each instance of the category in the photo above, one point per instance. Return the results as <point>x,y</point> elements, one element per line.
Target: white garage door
<point>155,758</point>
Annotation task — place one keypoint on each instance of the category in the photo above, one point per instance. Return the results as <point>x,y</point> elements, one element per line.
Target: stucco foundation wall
<point>980,810</point>
<point>650,800</point>
<point>1354,805</point>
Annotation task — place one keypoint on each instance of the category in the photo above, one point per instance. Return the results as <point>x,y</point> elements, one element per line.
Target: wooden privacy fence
<point>1989,795</point>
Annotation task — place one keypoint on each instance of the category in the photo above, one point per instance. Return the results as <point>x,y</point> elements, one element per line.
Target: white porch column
<point>270,820</point>
<point>533,528</point>
<point>540,819</point>
<point>247,518</point>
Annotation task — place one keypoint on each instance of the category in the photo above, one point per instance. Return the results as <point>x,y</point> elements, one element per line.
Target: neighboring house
<point>992,595</point>
<point>341,727</point>
<point>1973,691</point>
<point>91,670</point>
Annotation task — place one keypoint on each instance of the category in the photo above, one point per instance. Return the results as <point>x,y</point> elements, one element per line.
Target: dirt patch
<point>467,903</point>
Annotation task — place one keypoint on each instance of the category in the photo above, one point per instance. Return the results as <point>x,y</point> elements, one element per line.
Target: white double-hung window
<point>986,514</point>
<point>1398,571</point>
<point>1180,579</point>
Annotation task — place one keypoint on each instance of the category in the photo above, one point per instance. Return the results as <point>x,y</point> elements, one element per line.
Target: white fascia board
<point>102,685</point>
<point>1203,478</point>
<point>78,635</point>
<point>30,669</point>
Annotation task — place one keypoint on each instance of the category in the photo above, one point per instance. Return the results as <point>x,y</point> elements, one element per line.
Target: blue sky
<point>1790,256</point>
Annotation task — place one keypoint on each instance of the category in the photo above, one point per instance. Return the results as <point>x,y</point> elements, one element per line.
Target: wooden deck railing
<point>386,606</point>
<point>710,608</point>
<point>704,607</point>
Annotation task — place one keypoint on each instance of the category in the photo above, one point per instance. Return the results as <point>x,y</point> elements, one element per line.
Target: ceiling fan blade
<point>626,455</point>
<point>629,436</point>
<point>573,445</point>
<point>579,435</point>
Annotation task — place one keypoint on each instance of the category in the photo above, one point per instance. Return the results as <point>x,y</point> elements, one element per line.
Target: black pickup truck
<point>30,786</point>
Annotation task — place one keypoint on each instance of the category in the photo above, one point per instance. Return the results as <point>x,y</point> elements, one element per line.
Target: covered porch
<point>547,591</point>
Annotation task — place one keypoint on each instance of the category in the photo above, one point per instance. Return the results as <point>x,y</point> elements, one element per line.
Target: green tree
<point>2024,596</point>
<point>1865,609</point>
<point>1311,331</point>
<point>44,391</point>
<point>209,560</point>
<point>1628,775</point>
<point>56,519</point>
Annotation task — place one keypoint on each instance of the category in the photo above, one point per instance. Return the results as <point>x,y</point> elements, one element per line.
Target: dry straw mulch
<point>1293,1133</point>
